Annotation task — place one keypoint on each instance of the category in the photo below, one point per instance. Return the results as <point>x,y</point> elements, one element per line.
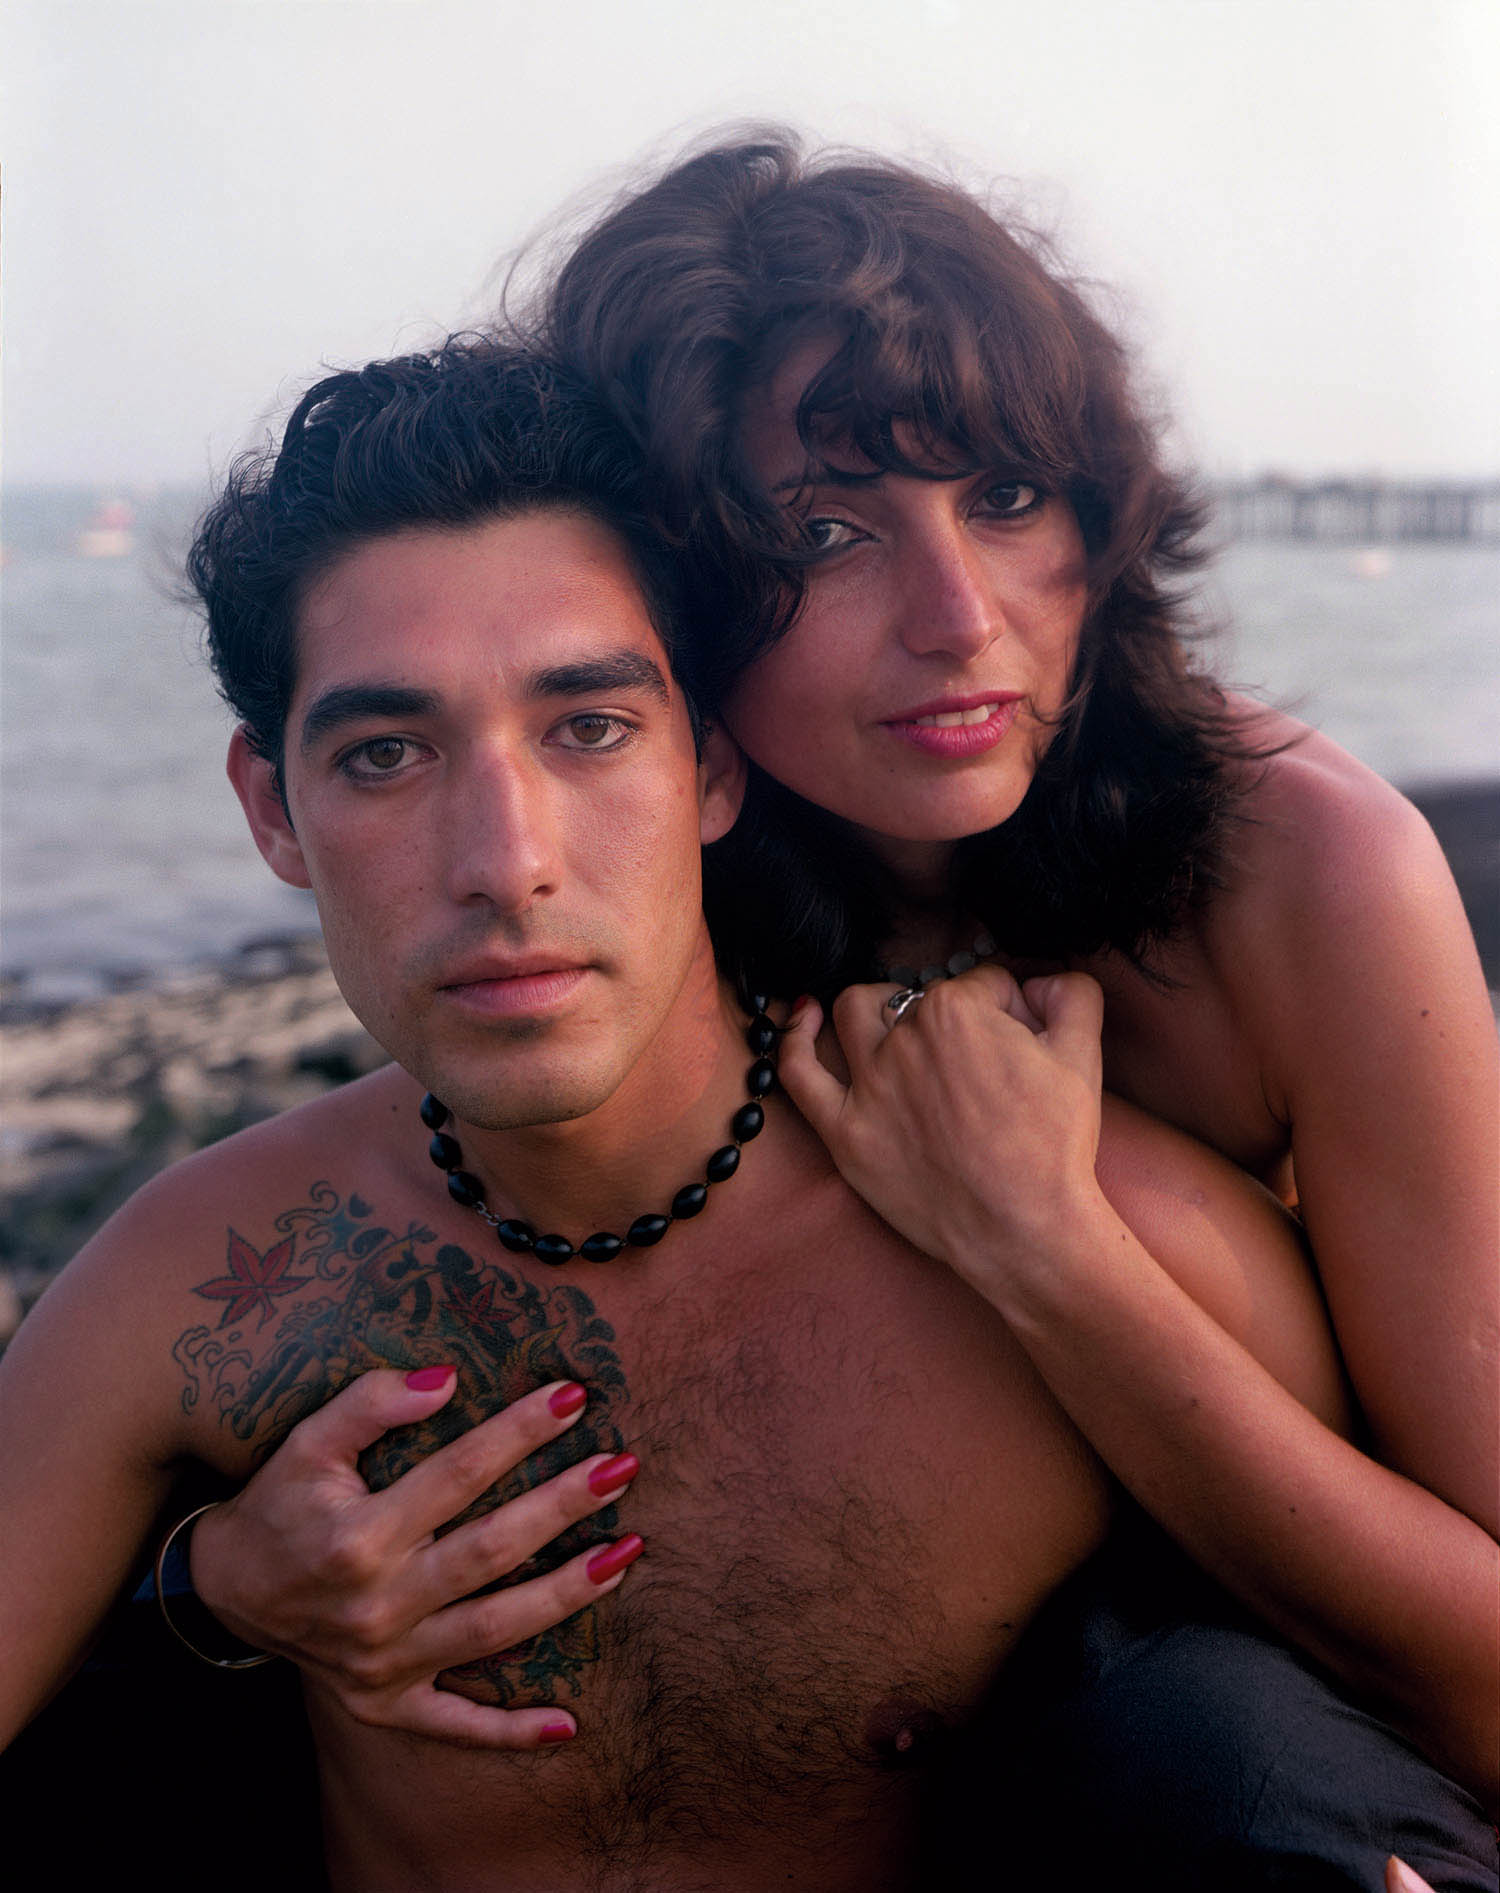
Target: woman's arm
<point>1345,950</point>
<point>977,1138</point>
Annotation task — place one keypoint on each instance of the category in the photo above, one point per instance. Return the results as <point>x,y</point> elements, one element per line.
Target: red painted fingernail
<point>557,1732</point>
<point>613,1474</point>
<point>604,1564</point>
<point>569,1398</point>
<point>429,1379</point>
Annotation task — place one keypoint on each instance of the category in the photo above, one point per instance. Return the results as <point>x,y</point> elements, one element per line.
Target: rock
<point>100,1091</point>
<point>10,1309</point>
<point>1465,817</point>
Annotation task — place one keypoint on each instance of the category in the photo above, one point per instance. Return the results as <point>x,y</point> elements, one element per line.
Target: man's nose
<point>503,845</point>
<point>951,605</point>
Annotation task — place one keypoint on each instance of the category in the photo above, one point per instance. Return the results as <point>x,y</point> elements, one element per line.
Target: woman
<point>932,539</point>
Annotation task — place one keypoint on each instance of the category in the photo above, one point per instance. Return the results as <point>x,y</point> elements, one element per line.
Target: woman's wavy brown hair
<point>958,347</point>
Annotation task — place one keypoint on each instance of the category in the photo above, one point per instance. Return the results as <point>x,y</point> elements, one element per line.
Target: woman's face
<point>937,636</point>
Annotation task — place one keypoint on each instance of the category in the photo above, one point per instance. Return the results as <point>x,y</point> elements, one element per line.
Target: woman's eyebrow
<point>826,476</point>
<point>351,703</point>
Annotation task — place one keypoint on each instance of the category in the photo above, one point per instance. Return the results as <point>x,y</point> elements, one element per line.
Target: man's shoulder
<point>205,1263</point>
<point>235,1195</point>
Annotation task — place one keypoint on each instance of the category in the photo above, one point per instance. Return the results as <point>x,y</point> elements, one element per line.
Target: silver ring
<point>900,1003</point>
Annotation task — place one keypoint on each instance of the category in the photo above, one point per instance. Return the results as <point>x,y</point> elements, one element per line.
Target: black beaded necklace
<point>468,1192</point>
<point>920,977</point>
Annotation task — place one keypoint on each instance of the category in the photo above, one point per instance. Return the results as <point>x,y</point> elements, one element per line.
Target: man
<point>449,639</point>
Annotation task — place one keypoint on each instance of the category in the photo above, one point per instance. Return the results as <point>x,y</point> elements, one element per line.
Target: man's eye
<point>380,756</point>
<point>1012,498</point>
<point>593,731</point>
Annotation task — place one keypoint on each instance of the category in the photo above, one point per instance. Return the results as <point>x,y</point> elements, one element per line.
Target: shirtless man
<point>449,642</point>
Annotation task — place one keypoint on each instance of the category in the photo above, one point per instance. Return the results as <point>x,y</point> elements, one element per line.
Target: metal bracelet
<point>250,1662</point>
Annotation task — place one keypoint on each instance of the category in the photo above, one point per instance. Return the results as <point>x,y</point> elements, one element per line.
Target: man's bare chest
<point>853,1493</point>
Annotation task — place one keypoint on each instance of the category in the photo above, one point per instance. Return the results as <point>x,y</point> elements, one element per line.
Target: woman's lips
<point>966,730</point>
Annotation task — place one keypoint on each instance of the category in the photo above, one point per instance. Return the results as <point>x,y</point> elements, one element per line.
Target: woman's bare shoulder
<point>1308,791</point>
<point>1324,846</point>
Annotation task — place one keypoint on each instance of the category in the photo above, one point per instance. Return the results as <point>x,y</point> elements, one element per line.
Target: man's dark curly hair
<point>957,347</point>
<point>473,431</point>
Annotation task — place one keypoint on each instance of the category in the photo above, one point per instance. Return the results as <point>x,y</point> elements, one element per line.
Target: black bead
<point>444,1151</point>
<point>723,1163</point>
<point>603,1246</point>
<point>761,1035</point>
<point>688,1201</point>
<point>759,1002</point>
<point>747,1122</point>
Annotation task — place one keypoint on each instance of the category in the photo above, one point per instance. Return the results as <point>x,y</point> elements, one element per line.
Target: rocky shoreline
<point>99,1093</point>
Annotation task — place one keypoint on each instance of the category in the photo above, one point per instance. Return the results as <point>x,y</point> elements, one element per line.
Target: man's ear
<point>721,783</point>
<point>255,784</point>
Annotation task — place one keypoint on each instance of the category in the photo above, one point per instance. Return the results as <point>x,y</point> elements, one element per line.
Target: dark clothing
<point>152,1763</point>
<point>1145,1734</point>
<point>1147,1724</point>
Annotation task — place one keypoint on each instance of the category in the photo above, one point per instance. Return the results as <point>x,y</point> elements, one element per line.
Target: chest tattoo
<point>401,1299</point>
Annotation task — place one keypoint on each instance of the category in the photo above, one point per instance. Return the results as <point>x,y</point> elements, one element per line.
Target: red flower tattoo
<point>252,1280</point>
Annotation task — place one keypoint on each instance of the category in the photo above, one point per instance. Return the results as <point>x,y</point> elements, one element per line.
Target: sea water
<point>124,848</point>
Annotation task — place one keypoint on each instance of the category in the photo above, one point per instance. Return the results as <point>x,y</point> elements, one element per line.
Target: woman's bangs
<point>920,398</point>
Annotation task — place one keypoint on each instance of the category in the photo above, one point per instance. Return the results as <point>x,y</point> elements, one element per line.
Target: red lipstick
<point>956,727</point>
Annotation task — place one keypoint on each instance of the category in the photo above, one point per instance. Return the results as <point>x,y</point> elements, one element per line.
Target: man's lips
<point>501,988</point>
<point>956,726</point>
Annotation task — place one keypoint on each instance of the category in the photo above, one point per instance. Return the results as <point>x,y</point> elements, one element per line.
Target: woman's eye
<point>1011,498</point>
<point>594,731</point>
<point>825,534</point>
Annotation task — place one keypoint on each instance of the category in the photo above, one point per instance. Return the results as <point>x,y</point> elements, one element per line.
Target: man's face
<point>494,796</point>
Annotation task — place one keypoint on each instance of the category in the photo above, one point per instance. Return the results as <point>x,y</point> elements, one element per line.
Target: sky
<point>1293,203</point>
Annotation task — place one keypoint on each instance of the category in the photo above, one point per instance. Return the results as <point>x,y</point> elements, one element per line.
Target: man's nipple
<point>905,1733</point>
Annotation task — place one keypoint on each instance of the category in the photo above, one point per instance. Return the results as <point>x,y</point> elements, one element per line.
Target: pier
<point>1369,512</point>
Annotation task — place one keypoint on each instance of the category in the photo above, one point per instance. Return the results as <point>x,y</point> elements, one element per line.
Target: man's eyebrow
<point>615,670</point>
<point>351,703</point>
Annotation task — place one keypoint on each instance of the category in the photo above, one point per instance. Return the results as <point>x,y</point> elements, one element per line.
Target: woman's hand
<point>1400,1878</point>
<point>971,1123</point>
<point>359,1591</point>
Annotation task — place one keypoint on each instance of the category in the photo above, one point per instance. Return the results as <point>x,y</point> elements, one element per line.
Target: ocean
<point>124,851</point>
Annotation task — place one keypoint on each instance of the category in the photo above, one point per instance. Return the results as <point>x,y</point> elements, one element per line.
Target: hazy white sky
<point>205,199</point>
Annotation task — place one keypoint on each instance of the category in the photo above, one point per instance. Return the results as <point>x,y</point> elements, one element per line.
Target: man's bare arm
<point>87,1448</point>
